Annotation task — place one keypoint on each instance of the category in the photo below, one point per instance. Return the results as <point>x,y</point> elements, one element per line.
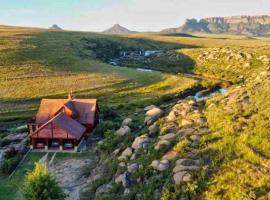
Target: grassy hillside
<point>37,63</point>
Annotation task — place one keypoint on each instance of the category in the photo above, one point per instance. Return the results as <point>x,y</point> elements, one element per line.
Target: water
<point>204,95</point>
<point>144,70</point>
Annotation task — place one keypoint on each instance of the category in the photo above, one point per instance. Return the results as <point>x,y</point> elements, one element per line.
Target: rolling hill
<point>55,27</point>
<point>118,29</point>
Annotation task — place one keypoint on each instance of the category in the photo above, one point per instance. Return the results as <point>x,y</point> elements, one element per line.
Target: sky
<point>137,15</point>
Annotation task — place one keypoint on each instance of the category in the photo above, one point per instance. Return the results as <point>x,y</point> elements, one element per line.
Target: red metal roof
<point>48,108</point>
<point>84,109</point>
<point>62,125</point>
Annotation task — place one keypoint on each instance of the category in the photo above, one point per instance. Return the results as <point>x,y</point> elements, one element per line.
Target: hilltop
<point>55,27</point>
<point>248,25</point>
<point>118,29</point>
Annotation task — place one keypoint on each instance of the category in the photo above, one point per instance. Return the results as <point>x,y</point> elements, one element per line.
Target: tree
<point>41,185</point>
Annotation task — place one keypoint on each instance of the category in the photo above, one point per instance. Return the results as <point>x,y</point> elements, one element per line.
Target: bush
<point>40,185</point>
<point>11,152</point>
<point>109,113</point>
<point>110,142</point>
<point>5,142</point>
<point>105,126</point>
<point>2,135</point>
<point>10,164</point>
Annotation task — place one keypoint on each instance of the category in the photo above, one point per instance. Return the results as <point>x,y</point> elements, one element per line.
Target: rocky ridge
<point>248,25</point>
<point>175,137</point>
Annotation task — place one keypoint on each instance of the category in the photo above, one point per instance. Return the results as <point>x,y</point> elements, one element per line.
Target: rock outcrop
<point>248,25</point>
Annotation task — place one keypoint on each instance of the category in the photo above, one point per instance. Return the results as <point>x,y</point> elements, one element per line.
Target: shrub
<point>5,142</point>
<point>40,185</point>
<point>106,126</point>
<point>109,113</point>
<point>10,164</point>
<point>2,135</point>
<point>11,152</point>
<point>180,146</point>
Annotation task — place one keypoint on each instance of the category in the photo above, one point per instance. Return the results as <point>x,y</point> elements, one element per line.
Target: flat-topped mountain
<point>248,25</point>
<point>118,29</point>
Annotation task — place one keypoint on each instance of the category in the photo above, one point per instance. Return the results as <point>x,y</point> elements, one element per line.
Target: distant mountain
<point>248,25</point>
<point>55,27</point>
<point>118,29</point>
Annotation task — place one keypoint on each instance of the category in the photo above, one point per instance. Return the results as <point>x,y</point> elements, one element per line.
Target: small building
<point>63,124</point>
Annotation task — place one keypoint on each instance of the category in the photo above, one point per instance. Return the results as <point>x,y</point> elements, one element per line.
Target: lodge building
<point>63,124</point>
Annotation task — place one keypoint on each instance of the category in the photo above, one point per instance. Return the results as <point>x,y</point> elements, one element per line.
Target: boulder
<point>169,128</point>
<point>187,122</point>
<point>141,141</point>
<point>183,112</point>
<point>103,189</point>
<point>133,157</point>
<point>201,120</point>
<point>171,117</point>
<point>155,164</point>
<point>170,155</point>
<point>185,132</point>
<point>126,122</point>
<point>192,102</point>
<point>2,156</point>
<point>21,146</point>
<point>160,165</point>
<point>133,168</point>
<point>181,177</point>
<point>157,194</point>
<point>16,137</point>
<point>148,121</point>
<point>149,107</point>
<point>127,152</point>
<point>100,142</point>
<point>153,115</point>
<point>123,178</point>
<point>122,158</point>
<point>187,162</point>
<point>126,191</point>
<point>116,151</point>
<point>162,144</point>
<point>123,131</point>
<point>169,137</point>
<point>153,129</point>
<point>195,138</point>
<point>202,131</point>
<point>179,168</point>
<point>122,164</point>
<point>163,165</point>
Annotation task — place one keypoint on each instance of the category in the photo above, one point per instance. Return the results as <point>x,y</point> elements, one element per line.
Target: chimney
<point>70,95</point>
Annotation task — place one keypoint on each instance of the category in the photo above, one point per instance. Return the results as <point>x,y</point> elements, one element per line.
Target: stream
<point>208,93</point>
<point>199,96</point>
